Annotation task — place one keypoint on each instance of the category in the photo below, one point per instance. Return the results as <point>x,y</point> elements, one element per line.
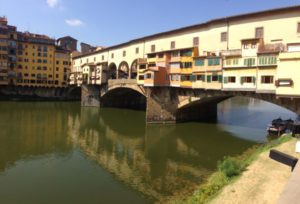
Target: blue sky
<point>110,22</point>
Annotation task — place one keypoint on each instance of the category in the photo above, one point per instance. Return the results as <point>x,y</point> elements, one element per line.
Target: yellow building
<point>40,63</point>
<point>288,77</point>
<point>186,66</point>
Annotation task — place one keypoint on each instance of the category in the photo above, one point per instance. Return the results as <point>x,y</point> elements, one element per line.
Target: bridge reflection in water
<point>159,161</point>
<point>92,154</point>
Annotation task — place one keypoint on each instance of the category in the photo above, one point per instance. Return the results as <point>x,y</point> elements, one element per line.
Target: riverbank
<point>261,180</point>
<point>18,93</point>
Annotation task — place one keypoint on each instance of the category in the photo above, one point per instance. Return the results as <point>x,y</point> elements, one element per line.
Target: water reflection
<point>86,145</point>
<point>159,161</point>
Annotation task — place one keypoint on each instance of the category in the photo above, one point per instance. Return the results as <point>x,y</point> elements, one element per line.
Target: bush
<point>230,166</point>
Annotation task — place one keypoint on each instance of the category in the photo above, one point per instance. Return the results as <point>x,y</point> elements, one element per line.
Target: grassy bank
<point>229,171</point>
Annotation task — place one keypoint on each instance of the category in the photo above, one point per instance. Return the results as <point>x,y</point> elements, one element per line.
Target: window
<point>213,61</point>
<point>141,77</point>
<point>253,45</point>
<point>249,62</point>
<point>151,55</point>
<point>298,29</point>
<point>223,36</point>
<point>259,32</point>
<point>142,66</point>
<point>284,82</point>
<point>57,62</point>
<point>94,59</point>
<point>200,77</point>
<point>247,79</point>
<point>175,54</point>
<point>45,49</point>
<point>199,62</point>
<point>195,41</point>
<point>185,53</point>
<point>229,79</point>
<point>160,55</point>
<point>56,75</point>
<point>124,53</point>
<point>102,57</point>
<point>267,79</point>
<point>152,48</point>
<point>137,50</point>
<point>173,45</point>
<point>215,78</point>
<point>57,69</point>
<point>246,46</point>
<point>186,65</point>
<point>112,55</point>
<point>267,60</point>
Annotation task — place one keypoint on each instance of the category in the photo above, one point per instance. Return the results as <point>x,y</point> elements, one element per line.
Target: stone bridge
<point>170,104</point>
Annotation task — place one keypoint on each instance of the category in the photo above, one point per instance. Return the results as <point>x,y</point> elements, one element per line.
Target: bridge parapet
<point>115,82</point>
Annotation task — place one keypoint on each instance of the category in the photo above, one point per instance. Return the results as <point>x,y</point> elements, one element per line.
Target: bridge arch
<point>128,96</point>
<point>112,71</point>
<point>133,69</point>
<point>123,70</point>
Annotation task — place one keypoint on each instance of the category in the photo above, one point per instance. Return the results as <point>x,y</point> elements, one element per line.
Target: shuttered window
<point>220,78</point>
<point>298,29</point>
<point>213,61</point>
<point>152,48</point>
<point>199,62</point>
<point>195,41</point>
<point>173,45</point>
<point>208,78</point>
<point>223,36</point>
<point>259,32</point>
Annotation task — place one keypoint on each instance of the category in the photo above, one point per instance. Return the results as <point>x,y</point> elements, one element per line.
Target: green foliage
<point>230,166</point>
<point>228,169</point>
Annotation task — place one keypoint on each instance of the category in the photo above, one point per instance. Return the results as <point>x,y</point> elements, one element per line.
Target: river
<point>58,152</point>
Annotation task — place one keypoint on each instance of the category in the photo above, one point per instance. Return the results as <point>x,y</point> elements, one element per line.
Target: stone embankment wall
<point>71,93</point>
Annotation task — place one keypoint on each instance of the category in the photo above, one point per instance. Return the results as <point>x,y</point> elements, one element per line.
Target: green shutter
<point>192,78</point>
<point>189,54</point>
<point>245,62</point>
<point>203,77</point>
<point>217,61</point>
<point>242,81</point>
<point>208,78</point>
<point>220,78</point>
<point>253,79</point>
<point>215,73</point>
<point>225,80</point>
<point>182,78</point>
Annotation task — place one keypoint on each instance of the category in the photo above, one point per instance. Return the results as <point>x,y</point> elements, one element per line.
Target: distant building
<point>86,48</point>
<point>28,59</point>
<point>68,43</point>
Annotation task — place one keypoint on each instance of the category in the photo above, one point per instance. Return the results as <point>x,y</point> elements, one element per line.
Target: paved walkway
<point>291,192</point>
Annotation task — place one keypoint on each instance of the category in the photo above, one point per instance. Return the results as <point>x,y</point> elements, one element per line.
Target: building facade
<point>32,60</point>
<point>256,52</point>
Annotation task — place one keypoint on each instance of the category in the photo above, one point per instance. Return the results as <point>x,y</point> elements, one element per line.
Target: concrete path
<point>291,192</point>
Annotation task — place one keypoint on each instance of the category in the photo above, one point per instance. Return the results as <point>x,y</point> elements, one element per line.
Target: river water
<point>58,152</point>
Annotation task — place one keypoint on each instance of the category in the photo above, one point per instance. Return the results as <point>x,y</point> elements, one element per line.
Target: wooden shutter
<point>208,78</point>
<point>182,78</point>
<point>259,32</point>
<point>152,48</point>
<point>242,80</point>
<point>220,78</point>
<point>253,80</point>
<point>225,80</point>
<point>195,41</point>
<point>203,77</point>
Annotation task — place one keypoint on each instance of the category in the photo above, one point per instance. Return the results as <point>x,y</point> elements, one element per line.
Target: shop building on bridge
<point>247,52</point>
